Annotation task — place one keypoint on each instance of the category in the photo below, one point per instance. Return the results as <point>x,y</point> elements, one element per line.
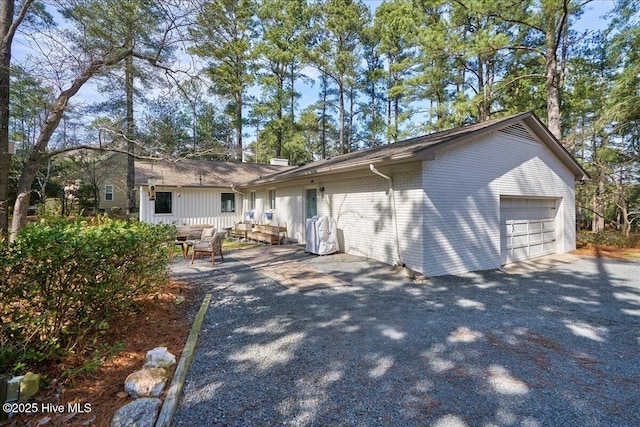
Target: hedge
<point>64,280</point>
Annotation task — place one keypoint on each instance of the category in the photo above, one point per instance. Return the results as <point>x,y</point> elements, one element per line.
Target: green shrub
<point>64,280</point>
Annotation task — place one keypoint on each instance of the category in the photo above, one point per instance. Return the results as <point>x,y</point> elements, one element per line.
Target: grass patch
<point>230,245</point>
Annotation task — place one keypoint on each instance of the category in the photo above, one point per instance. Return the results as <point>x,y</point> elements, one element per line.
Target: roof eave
<point>328,170</point>
<point>534,123</point>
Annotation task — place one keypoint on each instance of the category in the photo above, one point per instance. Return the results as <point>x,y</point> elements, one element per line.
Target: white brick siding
<point>448,209</point>
<point>462,208</point>
<point>361,205</point>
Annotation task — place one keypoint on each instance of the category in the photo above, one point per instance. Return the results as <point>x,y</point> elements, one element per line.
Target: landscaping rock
<point>146,382</point>
<point>139,413</point>
<point>159,357</point>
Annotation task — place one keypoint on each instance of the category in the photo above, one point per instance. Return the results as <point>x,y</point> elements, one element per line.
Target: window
<point>252,200</point>
<point>228,202</point>
<point>272,199</point>
<point>163,202</point>
<point>108,193</point>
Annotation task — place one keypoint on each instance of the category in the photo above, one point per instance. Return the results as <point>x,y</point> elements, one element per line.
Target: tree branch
<point>8,38</point>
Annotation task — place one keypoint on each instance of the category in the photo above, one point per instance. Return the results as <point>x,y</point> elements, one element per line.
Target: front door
<point>310,203</point>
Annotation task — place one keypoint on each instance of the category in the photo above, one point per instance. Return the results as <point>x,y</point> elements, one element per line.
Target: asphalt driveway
<point>559,347</point>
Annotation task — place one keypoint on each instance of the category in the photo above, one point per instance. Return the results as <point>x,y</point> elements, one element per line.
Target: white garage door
<point>527,228</point>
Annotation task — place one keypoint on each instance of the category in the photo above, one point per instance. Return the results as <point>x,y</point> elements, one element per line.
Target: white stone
<point>139,413</point>
<point>146,382</point>
<point>159,357</point>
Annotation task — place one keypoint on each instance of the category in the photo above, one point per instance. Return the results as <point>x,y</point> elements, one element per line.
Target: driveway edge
<point>171,401</point>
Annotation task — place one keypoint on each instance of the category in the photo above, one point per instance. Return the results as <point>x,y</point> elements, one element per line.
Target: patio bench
<point>190,231</point>
<point>240,230</point>
<point>271,234</point>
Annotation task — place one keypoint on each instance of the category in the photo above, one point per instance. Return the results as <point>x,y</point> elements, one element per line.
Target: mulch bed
<point>159,323</point>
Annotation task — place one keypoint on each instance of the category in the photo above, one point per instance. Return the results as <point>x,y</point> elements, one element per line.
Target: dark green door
<point>310,203</point>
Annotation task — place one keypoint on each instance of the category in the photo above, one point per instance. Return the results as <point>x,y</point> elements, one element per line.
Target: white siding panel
<point>463,187</point>
<point>193,206</point>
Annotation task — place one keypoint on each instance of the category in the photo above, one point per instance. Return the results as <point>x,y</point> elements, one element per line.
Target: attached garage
<point>528,228</point>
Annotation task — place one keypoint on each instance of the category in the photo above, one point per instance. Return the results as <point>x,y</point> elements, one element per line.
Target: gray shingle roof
<point>411,149</point>
<point>201,173</point>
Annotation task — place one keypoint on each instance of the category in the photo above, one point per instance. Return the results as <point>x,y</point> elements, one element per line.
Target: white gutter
<point>393,210</point>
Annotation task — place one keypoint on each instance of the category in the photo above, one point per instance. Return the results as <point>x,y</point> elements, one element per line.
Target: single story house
<point>470,198</point>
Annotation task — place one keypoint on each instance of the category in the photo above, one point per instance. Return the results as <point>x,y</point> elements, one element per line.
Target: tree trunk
<point>341,116</point>
<point>396,118</point>
<point>484,107</point>
<point>388,121</point>
<point>626,224</point>
<point>372,105</point>
<point>598,207</point>
<point>6,19</point>
<point>239,127</point>
<point>351,114</point>
<point>279,133</point>
<point>555,22</point>
<point>130,133</point>
<point>553,95</point>
<point>324,117</point>
<point>293,93</point>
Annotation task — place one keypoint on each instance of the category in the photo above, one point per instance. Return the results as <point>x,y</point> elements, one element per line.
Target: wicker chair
<point>212,247</point>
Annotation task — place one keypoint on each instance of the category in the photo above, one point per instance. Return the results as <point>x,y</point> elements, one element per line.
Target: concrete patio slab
<point>539,264</point>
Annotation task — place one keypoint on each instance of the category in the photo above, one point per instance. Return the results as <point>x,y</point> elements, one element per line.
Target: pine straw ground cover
<point>159,323</point>
<point>608,251</point>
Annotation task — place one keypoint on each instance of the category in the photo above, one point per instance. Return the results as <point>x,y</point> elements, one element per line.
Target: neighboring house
<point>471,198</point>
<point>113,182</point>
<point>190,192</point>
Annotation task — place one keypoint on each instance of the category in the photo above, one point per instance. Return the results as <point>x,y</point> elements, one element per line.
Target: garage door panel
<point>535,238</point>
<point>520,240</point>
<point>527,228</point>
<point>536,249</point>
<point>520,253</point>
<point>519,228</point>
<point>535,226</point>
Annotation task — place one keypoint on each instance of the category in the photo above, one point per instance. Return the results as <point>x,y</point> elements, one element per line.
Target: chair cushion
<point>207,233</point>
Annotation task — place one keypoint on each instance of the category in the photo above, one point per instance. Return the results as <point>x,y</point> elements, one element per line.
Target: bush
<point>64,280</point>
<point>608,238</point>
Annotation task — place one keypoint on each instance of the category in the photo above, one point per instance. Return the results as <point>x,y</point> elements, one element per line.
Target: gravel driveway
<point>553,348</point>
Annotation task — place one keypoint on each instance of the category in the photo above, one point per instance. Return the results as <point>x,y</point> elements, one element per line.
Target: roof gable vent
<point>519,131</point>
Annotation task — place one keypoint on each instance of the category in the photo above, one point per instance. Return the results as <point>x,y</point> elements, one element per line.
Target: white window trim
<point>164,213</point>
<point>108,192</point>
<point>252,200</point>
<point>272,201</point>
<point>222,204</point>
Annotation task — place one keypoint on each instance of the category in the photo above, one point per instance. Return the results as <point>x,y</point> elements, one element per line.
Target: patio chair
<point>212,247</point>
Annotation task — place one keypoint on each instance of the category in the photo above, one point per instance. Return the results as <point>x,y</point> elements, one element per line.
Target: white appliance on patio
<point>321,235</point>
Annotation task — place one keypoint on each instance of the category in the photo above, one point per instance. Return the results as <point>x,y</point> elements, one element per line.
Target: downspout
<point>393,210</point>
<point>244,200</point>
